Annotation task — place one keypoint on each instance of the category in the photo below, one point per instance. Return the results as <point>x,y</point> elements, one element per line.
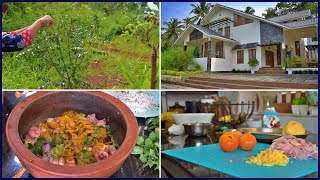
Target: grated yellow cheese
<point>270,157</point>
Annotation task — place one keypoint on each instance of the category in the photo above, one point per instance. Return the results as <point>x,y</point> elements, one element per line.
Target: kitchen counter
<point>172,167</point>
<point>132,167</point>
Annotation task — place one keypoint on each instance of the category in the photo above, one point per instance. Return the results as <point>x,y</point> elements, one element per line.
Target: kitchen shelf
<point>290,115</point>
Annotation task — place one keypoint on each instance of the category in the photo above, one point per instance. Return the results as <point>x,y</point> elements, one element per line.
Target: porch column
<point>209,55</point>
<point>283,54</point>
<point>185,46</point>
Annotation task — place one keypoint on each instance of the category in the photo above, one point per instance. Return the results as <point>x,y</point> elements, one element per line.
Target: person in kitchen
<point>22,38</point>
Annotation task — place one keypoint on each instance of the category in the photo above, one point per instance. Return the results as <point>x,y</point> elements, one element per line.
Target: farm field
<point>90,46</point>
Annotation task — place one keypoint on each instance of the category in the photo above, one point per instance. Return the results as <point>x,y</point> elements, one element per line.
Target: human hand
<point>46,21</point>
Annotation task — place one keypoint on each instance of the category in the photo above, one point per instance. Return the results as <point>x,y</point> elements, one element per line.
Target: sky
<point>152,6</point>
<point>181,10</point>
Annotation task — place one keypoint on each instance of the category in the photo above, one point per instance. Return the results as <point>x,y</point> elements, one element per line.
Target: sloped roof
<point>243,13</point>
<point>206,31</point>
<point>304,23</point>
<point>291,16</point>
<point>209,31</point>
<point>245,46</point>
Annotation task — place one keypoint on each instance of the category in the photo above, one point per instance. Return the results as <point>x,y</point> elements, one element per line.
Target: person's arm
<point>20,30</point>
<point>22,38</point>
<point>40,23</point>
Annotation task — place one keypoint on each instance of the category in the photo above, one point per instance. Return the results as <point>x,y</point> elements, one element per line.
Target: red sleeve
<point>27,38</point>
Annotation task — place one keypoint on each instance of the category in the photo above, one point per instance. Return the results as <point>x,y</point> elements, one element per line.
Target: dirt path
<point>103,80</point>
<point>100,79</point>
<point>112,47</point>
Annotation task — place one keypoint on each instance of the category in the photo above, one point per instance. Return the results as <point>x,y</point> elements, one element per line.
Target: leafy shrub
<point>196,52</point>
<point>177,59</point>
<point>180,73</point>
<point>253,63</point>
<point>300,101</point>
<point>294,61</point>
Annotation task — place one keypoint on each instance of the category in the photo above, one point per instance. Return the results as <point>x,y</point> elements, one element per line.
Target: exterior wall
<point>270,34</point>
<point>202,62</point>
<point>220,64</point>
<point>217,64</point>
<point>245,65</point>
<point>239,33</point>
<point>290,36</point>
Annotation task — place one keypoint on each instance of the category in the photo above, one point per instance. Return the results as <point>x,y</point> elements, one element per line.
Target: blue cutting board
<point>233,163</point>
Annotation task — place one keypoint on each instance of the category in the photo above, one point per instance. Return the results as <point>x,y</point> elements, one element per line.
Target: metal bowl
<point>268,134</point>
<point>198,129</point>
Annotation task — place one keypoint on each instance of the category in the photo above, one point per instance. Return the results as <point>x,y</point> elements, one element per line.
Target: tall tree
<point>187,21</point>
<point>200,10</point>
<point>269,13</point>
<point>172,30</point>
<point>249,10</point>
<point>284,8</point>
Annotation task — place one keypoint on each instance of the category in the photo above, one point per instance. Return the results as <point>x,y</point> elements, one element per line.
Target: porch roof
<point>205,31</point>
<point>245,46</point>
<point>302,24</point>
<point>292,16</point>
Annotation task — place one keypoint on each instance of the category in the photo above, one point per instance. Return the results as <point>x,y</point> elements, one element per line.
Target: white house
<point>229,38</point>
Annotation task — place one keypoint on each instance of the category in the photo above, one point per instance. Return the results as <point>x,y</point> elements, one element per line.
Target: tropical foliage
<point>200,10</point>
<point>249,10</point>
<point>176,58</point>
<point>283,8</point>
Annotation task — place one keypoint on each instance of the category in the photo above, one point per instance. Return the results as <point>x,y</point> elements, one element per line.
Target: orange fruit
<point>228,142</point>
<point>237,133</point>
<point>247,142</point>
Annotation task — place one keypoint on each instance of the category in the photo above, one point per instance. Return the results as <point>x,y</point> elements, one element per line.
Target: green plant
<point>196,52</point>
<point>283,65</point>
<point>140,81</point>
<point>300,101</point>
<point>288,49</point>
<point>152,123</point>
<point>67,46</point>
<point>148,150</point>
<point>253,63</point>
<point>180,73</point>
<point>177,59</point>
<point>294,61</point>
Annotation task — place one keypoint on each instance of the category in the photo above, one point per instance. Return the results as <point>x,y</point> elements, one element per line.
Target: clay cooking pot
<point>43,105</point>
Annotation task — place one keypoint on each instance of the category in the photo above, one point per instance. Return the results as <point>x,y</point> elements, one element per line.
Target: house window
<point>227,31</point>
<point>240,57</point>
<point>235,20</point>
<point>240,20</point>
<point>220,31</point>
<point>219,50</point>
<point>297,46</point>
<point>252,54</point>
<point>243,20</point>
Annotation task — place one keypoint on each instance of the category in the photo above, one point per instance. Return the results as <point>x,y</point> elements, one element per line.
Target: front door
<point>205,54</point>
<point>269,58</point>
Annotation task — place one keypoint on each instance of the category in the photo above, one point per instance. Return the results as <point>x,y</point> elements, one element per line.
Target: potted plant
<point>300,106</point>
<point>283,65</point>
<point>313,102</point>
<point>289,65</point>
<point>253,63</point>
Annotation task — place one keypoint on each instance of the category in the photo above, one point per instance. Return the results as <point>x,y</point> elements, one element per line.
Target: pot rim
<point>31,161</point>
